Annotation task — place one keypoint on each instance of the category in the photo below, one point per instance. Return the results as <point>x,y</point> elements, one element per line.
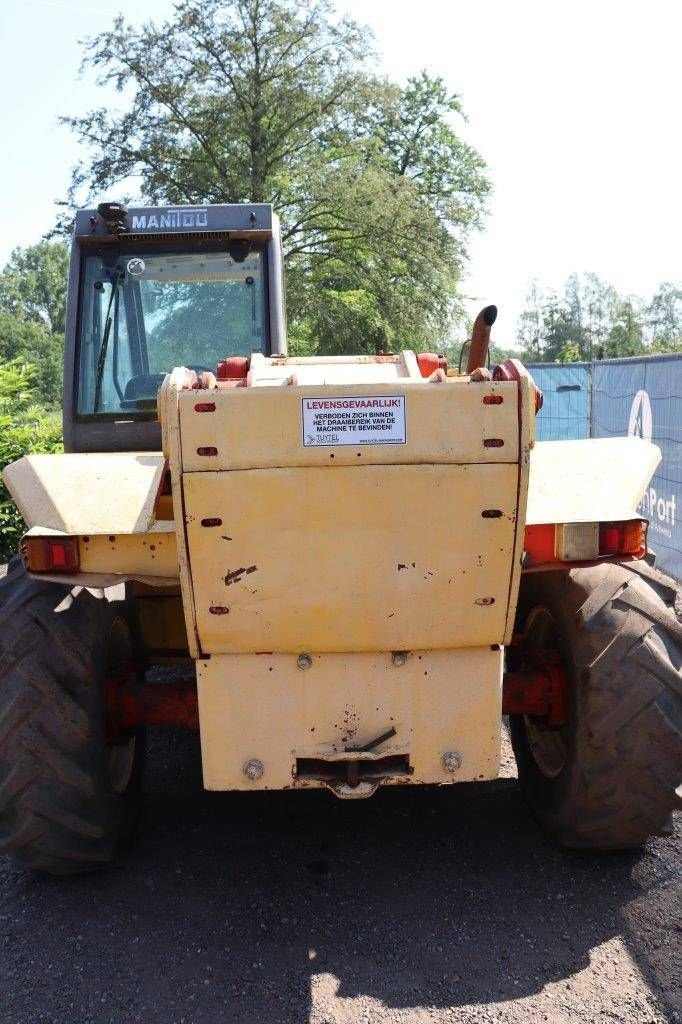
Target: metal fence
<point>567,389</point>
<point>615,397</point>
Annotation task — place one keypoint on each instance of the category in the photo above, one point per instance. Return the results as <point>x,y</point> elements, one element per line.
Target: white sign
<point>353,421</point>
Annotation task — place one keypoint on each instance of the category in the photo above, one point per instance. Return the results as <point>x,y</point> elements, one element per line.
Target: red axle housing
<point>131,704</point>
<point>541,693</point>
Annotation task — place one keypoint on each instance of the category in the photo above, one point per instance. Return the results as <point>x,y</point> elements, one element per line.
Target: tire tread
<point>58,812</point>
<point>627,738</point>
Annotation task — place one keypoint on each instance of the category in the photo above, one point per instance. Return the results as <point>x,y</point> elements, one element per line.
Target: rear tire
<point>611,777</point>
<point>68,801</point>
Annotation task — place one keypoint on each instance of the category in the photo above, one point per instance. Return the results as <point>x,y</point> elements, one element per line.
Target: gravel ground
<point>415,906</point>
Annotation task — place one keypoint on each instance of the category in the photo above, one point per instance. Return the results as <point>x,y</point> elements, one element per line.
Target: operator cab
<point>150,289</point>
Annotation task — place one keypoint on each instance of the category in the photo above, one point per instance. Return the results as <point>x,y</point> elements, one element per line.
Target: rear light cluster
<point>584,542</point>
<point>51,554</point>
<point>544,544</point>
<point>623,538</point>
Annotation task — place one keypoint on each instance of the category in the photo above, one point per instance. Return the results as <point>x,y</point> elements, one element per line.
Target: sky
<point>574,105</point>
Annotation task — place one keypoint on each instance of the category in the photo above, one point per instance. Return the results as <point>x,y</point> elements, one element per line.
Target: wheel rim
<point>120,756</point>
<point>548,747</point>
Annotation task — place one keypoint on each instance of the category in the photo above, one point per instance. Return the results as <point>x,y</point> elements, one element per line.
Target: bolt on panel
<point>358,559</point>
<point>264,719</point>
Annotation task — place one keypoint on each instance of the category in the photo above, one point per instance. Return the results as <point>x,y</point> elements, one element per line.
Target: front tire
<point>68,799</point>
<point>610,777</point>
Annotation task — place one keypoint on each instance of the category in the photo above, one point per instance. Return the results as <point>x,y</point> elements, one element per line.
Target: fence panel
<point>643,397</point>
<point>565,414</point>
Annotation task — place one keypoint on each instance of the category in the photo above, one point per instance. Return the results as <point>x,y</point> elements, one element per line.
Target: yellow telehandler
<point>363,563</point>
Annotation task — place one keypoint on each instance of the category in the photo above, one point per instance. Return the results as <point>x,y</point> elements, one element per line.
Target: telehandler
<point>363,561</point>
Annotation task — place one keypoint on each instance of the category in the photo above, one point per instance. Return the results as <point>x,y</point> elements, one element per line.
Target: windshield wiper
<point>118,278</point>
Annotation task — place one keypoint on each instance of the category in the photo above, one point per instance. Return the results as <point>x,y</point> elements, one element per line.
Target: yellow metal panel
<point>266,707</point>
<point>255,428</point>
<point>273,370</point>
<point>589,481</point>
<point>87,493</point>
<point>147,554</point>
<point>356,559</point>
<point>170,432</point>
<point>526,407</point>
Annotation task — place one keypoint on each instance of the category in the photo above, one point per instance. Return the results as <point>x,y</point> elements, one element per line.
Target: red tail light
<point>538,545</point>
<point>51,554</point>
<point>580,543</point>
<point>628,538</point>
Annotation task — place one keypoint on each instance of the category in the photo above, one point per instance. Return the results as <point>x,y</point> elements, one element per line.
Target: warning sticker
<point>354,421</point>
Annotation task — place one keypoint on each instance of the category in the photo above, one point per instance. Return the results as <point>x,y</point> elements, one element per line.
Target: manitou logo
<point>173,220</point>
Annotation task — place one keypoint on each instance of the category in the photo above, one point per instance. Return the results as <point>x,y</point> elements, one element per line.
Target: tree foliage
<point>663,319</point>
<point>33,285</point>
<point>276,101</point>
<point>25,428</point>
<point>33,313</point>
<point>32,342</point>
<point>590,320</point>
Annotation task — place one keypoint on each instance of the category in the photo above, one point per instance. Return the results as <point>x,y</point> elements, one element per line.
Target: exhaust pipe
<point>480,338</point>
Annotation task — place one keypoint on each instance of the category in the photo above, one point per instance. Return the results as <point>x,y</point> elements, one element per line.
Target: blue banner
<point>643,397</point>
<point>565,413</point>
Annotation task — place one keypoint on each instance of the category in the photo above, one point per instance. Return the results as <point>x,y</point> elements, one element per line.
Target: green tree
<point>25,427</point>
<point>530,331</point>
<point>625,331</point>
<point>607,329</point>
<point>31,342</point>
<point>663,319</point>
<point>580,321</point>
<point>272,100</point>
<point>33,313</point>
<point>33,285</point>
<point>590,320</point>
<point>562,326</point>
<point>550,327</point>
